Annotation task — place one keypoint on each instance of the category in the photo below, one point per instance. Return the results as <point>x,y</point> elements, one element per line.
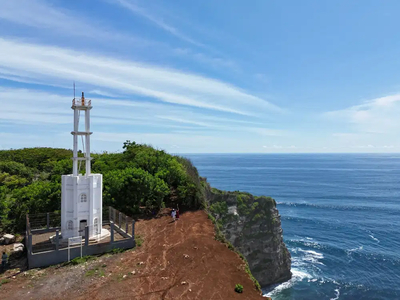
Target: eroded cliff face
<point>253,226</point>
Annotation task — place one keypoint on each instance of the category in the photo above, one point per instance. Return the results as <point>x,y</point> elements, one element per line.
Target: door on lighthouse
<point>82,225</point>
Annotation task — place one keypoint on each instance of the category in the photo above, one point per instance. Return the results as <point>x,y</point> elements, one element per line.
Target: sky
<point>257,76</point>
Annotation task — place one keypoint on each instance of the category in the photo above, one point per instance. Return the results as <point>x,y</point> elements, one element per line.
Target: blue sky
<point>203,76</point>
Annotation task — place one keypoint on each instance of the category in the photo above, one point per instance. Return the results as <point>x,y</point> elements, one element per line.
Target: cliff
<point>253,226</point>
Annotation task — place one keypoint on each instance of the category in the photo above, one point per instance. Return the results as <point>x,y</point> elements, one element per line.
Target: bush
<point>239,288</point>
<point>139,177</point>
<point>81,260</point>
<point>138,240</point>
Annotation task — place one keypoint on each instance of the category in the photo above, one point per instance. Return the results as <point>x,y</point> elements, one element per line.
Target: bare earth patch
<point>177,260</point>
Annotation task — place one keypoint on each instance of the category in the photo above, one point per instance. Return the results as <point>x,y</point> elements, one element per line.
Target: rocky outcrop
<point>252,224</point>
<point>8,239</point>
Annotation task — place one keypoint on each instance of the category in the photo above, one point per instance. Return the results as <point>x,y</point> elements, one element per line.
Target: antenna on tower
<point>74,89</point>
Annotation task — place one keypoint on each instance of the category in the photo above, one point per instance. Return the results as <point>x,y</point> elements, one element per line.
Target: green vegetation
<point>4,281</point>
<point>219,236</point>
<point>81,260</point>
<point>96,271</point>
<point>140,177</point>
<point>239,288</point>
<point>255,281</point>
<point>252,207</point>
<point>117,250</point>
<point>138,240</point>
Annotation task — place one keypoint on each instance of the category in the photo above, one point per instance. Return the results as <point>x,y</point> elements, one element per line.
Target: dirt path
<point>178,260</point>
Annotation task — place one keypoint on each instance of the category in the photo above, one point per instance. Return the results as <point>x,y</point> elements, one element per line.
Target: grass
<point>219,236</point>
<point>81,260</point>
<point>255,281</point>
<point>138,240</point>
<point>117,250</point>
<point>97,271</point>
<point>4,281</point>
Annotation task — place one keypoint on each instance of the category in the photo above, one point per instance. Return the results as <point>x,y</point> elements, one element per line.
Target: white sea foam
<point>297,275</point>
<point>337,294</point>
<point>354,249</point>
<point>374,238</point>
<point>306,257</point>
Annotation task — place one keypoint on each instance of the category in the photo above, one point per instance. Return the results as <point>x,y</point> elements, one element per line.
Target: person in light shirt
<point>173,214</point>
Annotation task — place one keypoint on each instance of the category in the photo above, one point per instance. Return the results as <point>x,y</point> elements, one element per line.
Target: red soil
<point>178,260</point>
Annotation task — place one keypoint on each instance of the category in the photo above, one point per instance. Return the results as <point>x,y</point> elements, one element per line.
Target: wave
<point>354,249</point>
<point>337,294</point>
<point>297,276</point>
<point>306,257</point>
<point>356,252</point>
<point>371,235</point>
<point>374,238</point>
<point>337,207</point>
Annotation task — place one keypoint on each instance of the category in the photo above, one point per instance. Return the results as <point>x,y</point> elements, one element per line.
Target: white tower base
<point>81,205</point>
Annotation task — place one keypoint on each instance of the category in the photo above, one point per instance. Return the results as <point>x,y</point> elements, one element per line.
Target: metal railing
<point>43,231</point>
<point>81,102</point>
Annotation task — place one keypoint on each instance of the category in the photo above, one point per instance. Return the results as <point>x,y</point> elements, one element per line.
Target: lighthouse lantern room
<point>81,195</point>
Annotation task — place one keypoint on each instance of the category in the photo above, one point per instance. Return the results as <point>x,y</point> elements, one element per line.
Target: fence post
<point>109,213</point>
<point>126,224</point>
<point>112,231</point>
<point>87,236</point>
<point>120,219</point>
<point>29,243</point>
<point>114,214</point>
<point>133,229</point>
<point>57,240</point>
<point>48,221</point>
<point>27,223</point>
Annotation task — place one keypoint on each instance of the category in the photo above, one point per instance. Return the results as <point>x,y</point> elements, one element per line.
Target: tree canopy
<point>140,176</point>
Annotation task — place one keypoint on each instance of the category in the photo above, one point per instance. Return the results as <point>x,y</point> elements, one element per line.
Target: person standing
<point>177,213</point>
<point>4,261</point>
<point>173,214</point>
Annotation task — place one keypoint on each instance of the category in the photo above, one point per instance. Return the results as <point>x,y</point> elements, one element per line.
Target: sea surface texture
<point>340,218</point>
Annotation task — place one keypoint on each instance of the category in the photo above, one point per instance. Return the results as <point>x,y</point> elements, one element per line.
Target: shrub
<point>239,288</point>
<point>81,260</point>
<point>138,240</point>
<point>117,250</point>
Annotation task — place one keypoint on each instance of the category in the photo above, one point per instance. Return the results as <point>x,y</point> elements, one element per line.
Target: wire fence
<point>43,230</point>
<point>44,220</point>
<point>124,222</point>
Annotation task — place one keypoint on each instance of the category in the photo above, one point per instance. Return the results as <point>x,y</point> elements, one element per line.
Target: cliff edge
<point>174,260</point>
<point>253,226</point>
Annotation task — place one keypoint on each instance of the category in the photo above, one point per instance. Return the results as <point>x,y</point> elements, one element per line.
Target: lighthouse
<point>81,194</point>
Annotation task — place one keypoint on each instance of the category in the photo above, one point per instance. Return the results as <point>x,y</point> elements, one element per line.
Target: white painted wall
<point>72,207</point>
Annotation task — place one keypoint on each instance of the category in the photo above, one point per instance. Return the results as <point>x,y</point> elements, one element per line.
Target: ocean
<point>340,218</point>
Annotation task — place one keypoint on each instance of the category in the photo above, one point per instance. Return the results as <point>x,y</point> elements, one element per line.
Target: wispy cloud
<point>57,65</point>
<point>32,107</point>
<point>159,22</point>
<point>379,115</point>
<point>41,15</point>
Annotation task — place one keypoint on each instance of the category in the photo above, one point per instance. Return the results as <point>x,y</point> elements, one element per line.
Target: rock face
<point>253,226</point>
<point>18,249</point>
<point>9,239</point>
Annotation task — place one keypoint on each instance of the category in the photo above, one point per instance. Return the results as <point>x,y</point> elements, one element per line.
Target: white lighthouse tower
<point>81,195</point>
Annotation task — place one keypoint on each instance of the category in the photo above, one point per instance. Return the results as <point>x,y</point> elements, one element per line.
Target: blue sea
<point>340,218</point>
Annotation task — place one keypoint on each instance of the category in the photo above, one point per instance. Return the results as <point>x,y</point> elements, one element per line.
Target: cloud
<point>280,148</point>
<point>26,106</point>
<point>380,115</point>
<point>102,93</point>
<point>38,14</point>
<point>58,65</point>
<point>159,22</point>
